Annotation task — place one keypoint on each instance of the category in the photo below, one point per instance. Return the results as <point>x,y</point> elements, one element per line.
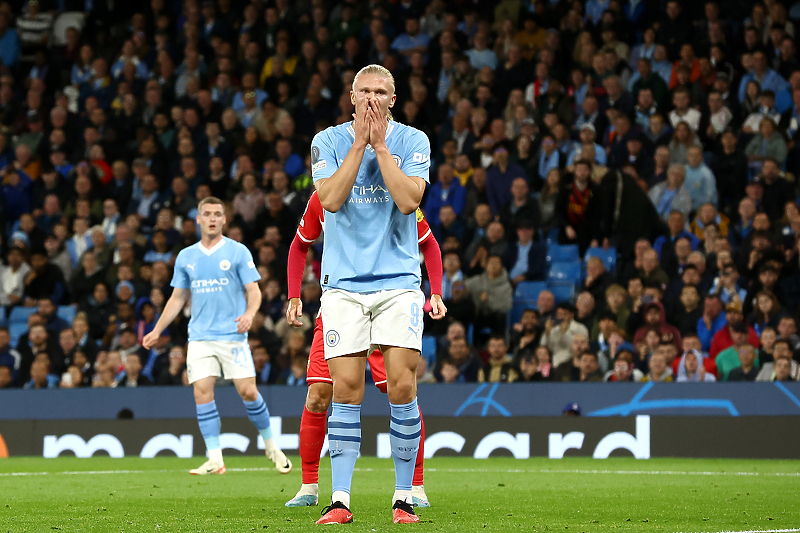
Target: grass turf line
<point>498,494</point>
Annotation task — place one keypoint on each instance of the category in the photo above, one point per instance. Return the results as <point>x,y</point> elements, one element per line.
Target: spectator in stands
<point>782,350</point>
<point>500,368</point>
<point>747,371</point>
<point>589,369</point>
<point>446,191</point>
<point>724,337</point>
<point>521,207</point>
<point>767,144</point>
<point>659,369</point>
<point>12,277</point>
<point>776,189</point>
<point>665,244</point>
<point>133,369</point>
<point>767,78</point>
<point>691,368</point>
<point>525,334</point>
<point>104,377</point>
<point>34,28</point>
<point>597,279</point>
<point>41,378</point>
<point>578,209</point>
<point>499,177</point>
<point>560,332</point>
<point>128,344</point>
<point>44,280</point>
<point>699,181</point>
<point>525,260</point>
<point>783,371</point>
<point>672,194</point>
<point>569,368</point>
<point>728,358</point>
<point>623,369</point>
<point>651,272</point>
<point>463,359</point>
<point>9,357</point>
<point>726,286</point>
<point>173,374</point>
<point>492,294</point>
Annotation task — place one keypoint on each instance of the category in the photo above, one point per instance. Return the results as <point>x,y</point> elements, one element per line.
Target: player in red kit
<point>320,384</point>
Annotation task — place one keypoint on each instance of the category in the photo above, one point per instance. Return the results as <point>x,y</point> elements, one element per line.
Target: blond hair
<point>380,71</point>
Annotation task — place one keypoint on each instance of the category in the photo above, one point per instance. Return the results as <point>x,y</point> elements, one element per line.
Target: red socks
<point>419,467</point>
<point>312,436</point>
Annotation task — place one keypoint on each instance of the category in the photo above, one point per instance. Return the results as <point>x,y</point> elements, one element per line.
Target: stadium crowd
<point>660,135</point>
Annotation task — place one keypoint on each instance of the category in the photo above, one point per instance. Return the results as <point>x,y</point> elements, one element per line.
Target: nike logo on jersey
<point>190,266</point>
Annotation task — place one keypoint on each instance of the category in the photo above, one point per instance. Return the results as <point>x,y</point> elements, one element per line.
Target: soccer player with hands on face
<point>370,176</point>
<point>318,377</point>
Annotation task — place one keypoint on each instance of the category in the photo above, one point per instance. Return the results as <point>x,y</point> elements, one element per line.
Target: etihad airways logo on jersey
<point>374,194</point>
<point>202,286</point>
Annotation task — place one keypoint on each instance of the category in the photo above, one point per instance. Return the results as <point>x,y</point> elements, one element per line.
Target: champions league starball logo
<point>332,338</point>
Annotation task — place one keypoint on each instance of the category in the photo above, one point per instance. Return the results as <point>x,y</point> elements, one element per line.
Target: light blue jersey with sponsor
<point>369,244</point>
<point>216,278</point>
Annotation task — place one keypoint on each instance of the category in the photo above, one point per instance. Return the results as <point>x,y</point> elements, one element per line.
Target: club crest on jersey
<point>225,264</point>
<point>332,338</point>
<point>397,159</point>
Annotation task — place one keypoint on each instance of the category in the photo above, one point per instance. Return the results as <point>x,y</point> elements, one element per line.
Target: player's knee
<point>319,398</point>
<point>401,390</point>
<point>249,393</point>
<point>202,396</point>
<point>348,395</point>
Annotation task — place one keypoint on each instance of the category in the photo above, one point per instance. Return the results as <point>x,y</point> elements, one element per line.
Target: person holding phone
<point>559,332</point>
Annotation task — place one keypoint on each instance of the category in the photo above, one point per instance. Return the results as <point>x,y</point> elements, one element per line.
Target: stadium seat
<point>15,331</point>
<point>565,271</point>
<point>609,257</point>
<point>551,237</point>
<point>562,291</point>
<point>3,316</point>
<point>529,290</point>
<point>19,315</point>
<point>66,313</point>
<point>558,253</point>
<point>517,308</point>
<point>429,349</point>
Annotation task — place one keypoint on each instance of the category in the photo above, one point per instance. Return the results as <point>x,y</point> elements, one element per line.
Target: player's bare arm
<point>174,306</point>
<point>406,191</point>
<point>334,191</point>
<point>253,294</point>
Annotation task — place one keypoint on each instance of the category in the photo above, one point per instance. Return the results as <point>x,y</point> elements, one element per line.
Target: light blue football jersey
<point>369,244</point>
<point>216,278</point>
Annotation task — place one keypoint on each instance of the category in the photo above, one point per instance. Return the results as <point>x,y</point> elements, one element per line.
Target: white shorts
<point>355,322</point>
<point>231,359</point>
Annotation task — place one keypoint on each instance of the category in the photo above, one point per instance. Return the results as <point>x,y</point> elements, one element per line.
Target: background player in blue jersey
<point>370,176</point>
<point>217,272</point>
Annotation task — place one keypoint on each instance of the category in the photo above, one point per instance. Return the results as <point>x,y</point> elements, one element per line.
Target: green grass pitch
<point>497,494</point>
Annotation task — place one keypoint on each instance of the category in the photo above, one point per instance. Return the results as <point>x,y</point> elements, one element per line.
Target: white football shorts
<point>231,359</point>
<point>355,322</point>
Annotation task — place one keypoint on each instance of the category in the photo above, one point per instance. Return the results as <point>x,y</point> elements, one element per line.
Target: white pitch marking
<point>449,470</point>
<point>763,531</point>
